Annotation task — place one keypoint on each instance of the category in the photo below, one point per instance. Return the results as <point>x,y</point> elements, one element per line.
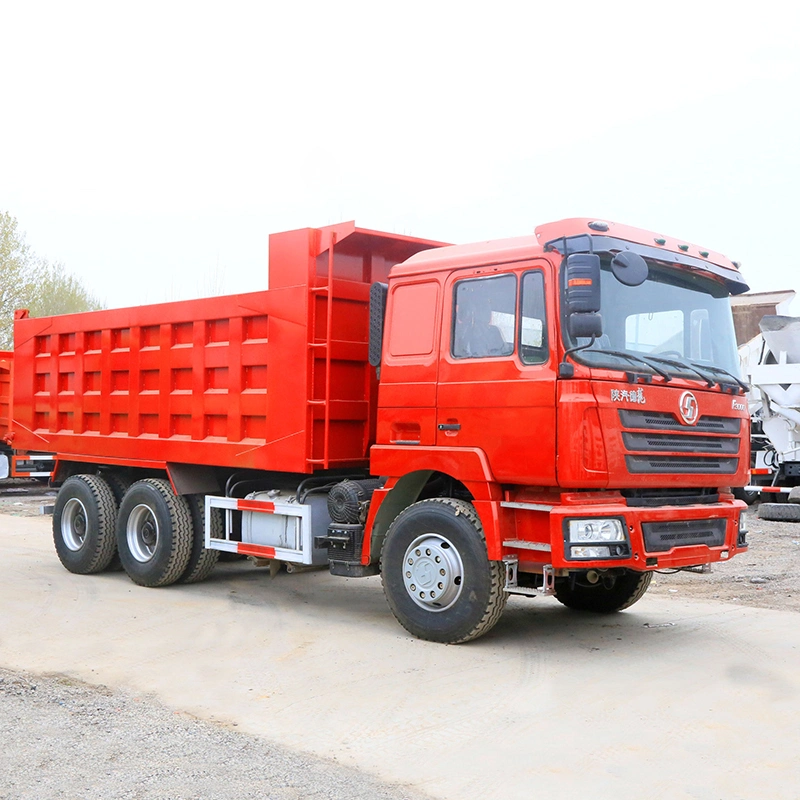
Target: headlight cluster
<point>596,538</point>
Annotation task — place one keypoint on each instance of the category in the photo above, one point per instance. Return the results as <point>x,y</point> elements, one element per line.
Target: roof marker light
<point>704,253</point>
<point>683,247</point>
<point>659,240</point>
<point>598,226</point>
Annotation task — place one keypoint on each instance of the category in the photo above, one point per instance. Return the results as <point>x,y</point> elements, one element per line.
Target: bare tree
<point>28,281</point>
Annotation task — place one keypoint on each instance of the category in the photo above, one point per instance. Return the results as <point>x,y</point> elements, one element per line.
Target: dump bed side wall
<point>275,380</point>
<point>6,365</point>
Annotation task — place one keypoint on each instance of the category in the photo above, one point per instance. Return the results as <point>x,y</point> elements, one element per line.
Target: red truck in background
<point>558,413</point>
<point>14,463</point>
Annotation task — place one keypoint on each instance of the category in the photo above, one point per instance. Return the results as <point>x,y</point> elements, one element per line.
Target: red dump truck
<point>558,413</point>
<point>16,463</point>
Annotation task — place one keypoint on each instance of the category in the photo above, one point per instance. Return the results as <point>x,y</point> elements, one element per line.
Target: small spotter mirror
<point>629,268</point>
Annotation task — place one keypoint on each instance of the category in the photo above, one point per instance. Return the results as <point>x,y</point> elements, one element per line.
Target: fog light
<point>590,552</point>
<point>596,530</point>
<point>741,538</point>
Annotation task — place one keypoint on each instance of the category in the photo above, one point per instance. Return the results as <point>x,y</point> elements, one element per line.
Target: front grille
<point>653,498</point>
<point>660,420</point>
<point>685,465</point>
<point>676,443</point>
<point>664,435</point>
<point>662,536</point>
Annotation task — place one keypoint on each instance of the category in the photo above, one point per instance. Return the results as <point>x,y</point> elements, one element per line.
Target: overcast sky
<point>153,146</point>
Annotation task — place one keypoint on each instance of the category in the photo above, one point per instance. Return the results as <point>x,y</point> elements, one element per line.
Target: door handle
<point>449,426</point>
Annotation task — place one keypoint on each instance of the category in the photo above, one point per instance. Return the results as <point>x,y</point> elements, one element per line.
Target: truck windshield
<point>679,321</point>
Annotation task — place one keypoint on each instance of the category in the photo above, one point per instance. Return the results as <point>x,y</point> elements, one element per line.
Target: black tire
<point>201,561</point>
<point>154,533</point>
<point>607,595</point>
<point>84,520</point>
<point>780,512</point>
<point>119,483</point>
<point>749,497</point>
<point>441,536</point>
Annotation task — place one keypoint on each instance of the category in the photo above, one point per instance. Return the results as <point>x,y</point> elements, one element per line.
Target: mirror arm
<point>567,370</point>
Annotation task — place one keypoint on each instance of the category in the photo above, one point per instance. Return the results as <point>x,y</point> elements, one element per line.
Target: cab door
<point>407,389</point>
<point>497,373</point>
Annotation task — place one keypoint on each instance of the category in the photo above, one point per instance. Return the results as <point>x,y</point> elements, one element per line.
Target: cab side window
<point>484,317</point>
<point>533,330</point>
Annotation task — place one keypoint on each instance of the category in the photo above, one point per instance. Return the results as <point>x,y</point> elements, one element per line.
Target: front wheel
<point>611,592</point>
<point>437,577</point>
<point>749,497</point>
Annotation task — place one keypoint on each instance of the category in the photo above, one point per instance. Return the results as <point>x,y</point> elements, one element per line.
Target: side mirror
<point>377,312</point>
<point>582,325</point>
<point>582,283</point>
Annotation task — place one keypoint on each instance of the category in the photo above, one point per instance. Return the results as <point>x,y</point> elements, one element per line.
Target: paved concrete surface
<point>671,699</point>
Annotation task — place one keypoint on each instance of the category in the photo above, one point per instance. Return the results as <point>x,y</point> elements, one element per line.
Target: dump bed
<point>6,364</point>
<point>276,379</point>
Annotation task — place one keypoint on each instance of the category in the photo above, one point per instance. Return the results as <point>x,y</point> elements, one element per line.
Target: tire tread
<point>497,599</point>
<point>181,522</point>
<point>202,561</point>
<point>106,508</point>
<point>585,601</point>
<point>780,512</point>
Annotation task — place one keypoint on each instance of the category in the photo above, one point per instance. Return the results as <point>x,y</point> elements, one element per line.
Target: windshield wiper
<point>683,365</point>
<point>698,369</point>
<point>740,383</point>
<point>631,357</point>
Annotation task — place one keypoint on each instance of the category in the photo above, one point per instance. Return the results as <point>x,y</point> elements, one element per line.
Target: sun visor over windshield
<point>584,243</point>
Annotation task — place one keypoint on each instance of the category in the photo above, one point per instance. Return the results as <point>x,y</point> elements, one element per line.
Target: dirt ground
<point>767,576</point>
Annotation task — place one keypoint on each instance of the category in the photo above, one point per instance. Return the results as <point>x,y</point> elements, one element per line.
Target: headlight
<point>596,530</point>
<point>596,538</point>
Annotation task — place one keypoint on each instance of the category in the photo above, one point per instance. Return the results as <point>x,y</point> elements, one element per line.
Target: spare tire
<point>780,512</point>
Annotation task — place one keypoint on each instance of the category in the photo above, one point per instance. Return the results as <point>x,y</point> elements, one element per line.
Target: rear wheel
<point>610,593</point>
<point>84,517</point>
<point>119,483</point>
<point>201,561</point>
<point>437,577</point>
<point>154,533</point>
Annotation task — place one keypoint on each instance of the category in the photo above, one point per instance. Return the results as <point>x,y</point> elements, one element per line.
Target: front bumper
<point>662,537</point>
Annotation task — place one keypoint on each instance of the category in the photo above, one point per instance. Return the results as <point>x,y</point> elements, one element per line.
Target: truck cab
<point>580,389</point>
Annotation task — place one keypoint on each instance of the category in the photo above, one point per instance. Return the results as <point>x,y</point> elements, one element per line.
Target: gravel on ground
<point>65,739</point>
<point>766,576</point>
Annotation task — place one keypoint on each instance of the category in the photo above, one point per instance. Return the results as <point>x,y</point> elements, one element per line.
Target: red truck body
<point>272,380</point>
<point>16,463</point>
<point>533,439</point>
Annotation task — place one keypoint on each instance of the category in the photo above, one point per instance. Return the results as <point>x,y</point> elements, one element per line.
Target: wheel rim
<point>74,524</point>
<point>433,573</point>
<point>142,533</point>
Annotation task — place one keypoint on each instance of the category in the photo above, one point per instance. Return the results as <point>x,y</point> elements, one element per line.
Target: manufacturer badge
<point>688,408</point>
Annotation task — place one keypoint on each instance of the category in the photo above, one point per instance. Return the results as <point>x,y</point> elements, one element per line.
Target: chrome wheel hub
<point>142,533</point>
<point>433,572</point>
<point>73,524</point>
